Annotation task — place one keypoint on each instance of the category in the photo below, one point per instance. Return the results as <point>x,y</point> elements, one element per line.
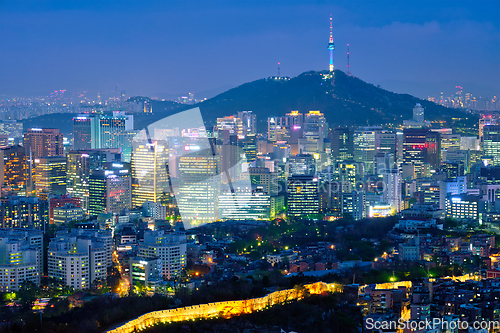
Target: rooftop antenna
<point>348,67</point>
<point>278,69</point>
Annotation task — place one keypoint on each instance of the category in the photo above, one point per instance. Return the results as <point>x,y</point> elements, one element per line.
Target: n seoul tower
<point>331,46</point>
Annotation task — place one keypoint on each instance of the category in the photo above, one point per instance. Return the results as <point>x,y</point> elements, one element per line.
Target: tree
<point>28,294</point>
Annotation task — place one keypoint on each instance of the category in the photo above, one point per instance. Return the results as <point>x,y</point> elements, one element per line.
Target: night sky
<point>159,48</point>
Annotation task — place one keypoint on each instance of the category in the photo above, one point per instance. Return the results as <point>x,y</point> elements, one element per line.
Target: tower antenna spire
<point>279,69</point>
<point>348,67</point>
<point>331,46</point>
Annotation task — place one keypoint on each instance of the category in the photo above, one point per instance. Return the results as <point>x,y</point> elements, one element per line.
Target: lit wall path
<point>222,309</point>
<point>235,308</point>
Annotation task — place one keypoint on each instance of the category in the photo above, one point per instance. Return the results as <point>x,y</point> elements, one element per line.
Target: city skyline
<point>421,49</point>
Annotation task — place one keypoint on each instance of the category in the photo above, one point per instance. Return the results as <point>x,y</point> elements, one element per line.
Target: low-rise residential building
<point>21,258</point>
<point>169,246</point>
<point>69,212</point>
<point>76,261</point>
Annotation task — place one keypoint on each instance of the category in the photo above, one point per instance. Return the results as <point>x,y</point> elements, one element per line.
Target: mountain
<point>344,100</point>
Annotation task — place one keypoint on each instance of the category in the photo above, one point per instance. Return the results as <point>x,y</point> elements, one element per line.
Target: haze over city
<point>161,49</point>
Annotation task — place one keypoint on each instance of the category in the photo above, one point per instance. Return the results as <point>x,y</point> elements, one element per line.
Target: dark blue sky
<point>157,48</point>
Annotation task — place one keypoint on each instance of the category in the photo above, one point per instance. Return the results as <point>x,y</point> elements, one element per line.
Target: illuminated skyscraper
<point>421,146</point>
<point>418,113</point>
<point>392,189</point>
<point>313,133</point>
<point>149,171</point>
<point>13,168</point>
<point>50,176</point>
<point>249,146</point>
<point>303,196</point>
<point>301,164</point>
<point>110,189</point>
<point>370,140</point>
<point>244,204</point>
<point>79,164</point>
<point>85,128</point>
<point>43,142</point>
<point>98,131</point>
<point>249,122</point>
<point>342,144</point>
<point>231,124</point>
<point>113,129</point>
<point>199,187</point>
<point>491,142</point>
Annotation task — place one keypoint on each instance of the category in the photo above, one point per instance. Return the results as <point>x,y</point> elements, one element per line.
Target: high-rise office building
<point>43,142</point>
<point>199,186</point>
<point>249,146</point>
<point>368,141</point>
<point>346,174</point>
<point>249,122</point>
<point>353,205</point>
<point>264,180</point>
<point>169,246</point>
<point>301,164</point>
<point>418,120</point>
<point>418,113</point>
<point>491,142</point>
<point>150,171</point>
<point>392,189</point>
<point>110,189</point>
<point>365,146</point>
<point>96,131</point>
<point>342,144</point>
<point>79,164</point>
<point>288,128</point>
<point>113,129</point>
<point>314,130</point>
<point>382,162</point>
<point>420,147</point>
<point>21,258</point>
<point>12,128</point>
<point>84,126</point>
<point>303,195</point>
<point>281,151</point>
<point>233,125</point>
<point>244,204</point>
<point>50,176</point>
<point>486,121</point>
<point>229,156</point>
<point>14,168</point>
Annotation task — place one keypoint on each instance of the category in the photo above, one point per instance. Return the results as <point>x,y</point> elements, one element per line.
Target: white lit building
<point>170,247</point>
<point>69,212</point>
<point>76,261</point>
<point>392,189</point>
<point>147,272</point>
<point>463,207</point>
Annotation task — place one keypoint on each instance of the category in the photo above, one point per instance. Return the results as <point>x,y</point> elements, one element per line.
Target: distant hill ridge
<point>344,100</point>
